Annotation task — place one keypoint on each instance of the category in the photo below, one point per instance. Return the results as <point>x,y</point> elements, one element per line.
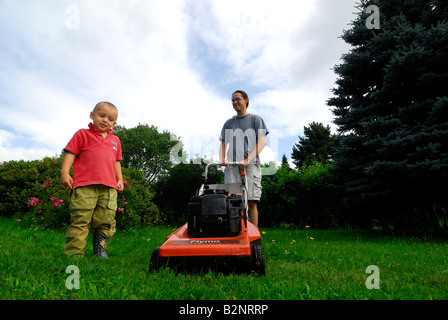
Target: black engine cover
<point>215,214</point>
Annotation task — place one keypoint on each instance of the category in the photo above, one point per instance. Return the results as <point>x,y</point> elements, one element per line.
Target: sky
<point>172,64</point>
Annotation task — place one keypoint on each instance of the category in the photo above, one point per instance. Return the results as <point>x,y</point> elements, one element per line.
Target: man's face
<point>238,102</point>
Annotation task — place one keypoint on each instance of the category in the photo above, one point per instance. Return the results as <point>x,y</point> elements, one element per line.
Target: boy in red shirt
<point>95,155</point>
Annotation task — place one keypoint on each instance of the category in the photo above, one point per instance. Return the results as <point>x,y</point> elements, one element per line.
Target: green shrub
<point>173,190</point>
<point>278,200</point>
<point>318,199</point>
<point>305,196</point>
<point>135,206</point>
<point>22,180</point>
<point>30,192</point>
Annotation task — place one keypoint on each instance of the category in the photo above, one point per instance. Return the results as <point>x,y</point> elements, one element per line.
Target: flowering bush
<point>30,192</point>
<point>17,179</point>
<point>48,211</point>
<point>135,206</point>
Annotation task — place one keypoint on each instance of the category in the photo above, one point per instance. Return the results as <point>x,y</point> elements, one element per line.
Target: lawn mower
<point>217,235</point>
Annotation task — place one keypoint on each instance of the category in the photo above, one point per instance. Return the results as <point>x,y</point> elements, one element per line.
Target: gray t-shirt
<point>242,135</point>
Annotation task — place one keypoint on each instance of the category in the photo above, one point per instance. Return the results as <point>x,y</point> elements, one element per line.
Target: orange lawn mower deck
<point>217,236</point>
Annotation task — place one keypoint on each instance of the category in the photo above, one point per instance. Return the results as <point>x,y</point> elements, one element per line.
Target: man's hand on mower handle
<point>242,164</point>
<point>225,163</point>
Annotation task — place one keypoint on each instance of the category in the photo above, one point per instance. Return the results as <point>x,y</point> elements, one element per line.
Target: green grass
<point>331,266</point>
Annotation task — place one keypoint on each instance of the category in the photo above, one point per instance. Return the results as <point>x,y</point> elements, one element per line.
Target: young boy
<point>95,155</point>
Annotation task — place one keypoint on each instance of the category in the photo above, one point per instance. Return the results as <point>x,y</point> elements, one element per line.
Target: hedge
<point>30,193</point>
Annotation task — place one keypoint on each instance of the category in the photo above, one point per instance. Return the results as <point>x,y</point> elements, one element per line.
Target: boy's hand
<point>120,186</point>
<point>66,181</point>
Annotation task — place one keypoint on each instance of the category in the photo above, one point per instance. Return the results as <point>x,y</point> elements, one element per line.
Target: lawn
<point>300,265</point>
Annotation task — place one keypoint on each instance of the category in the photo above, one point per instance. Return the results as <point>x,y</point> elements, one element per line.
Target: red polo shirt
<point>95,157</point>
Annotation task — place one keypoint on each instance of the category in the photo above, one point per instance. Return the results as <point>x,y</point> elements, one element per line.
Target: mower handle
<point>243,180</point>
<point>204,175</point>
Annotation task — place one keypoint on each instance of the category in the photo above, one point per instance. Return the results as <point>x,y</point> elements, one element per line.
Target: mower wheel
<point>258,260</point>
<point>155,263</point>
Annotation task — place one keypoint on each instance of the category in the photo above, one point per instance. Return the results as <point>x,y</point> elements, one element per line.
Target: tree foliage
<point>174,189</point>
<point>317,144</point>
<point>147,150</point>
<point>391,107</point>
<point>300,197</point>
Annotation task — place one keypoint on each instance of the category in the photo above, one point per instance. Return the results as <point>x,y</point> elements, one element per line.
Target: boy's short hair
<point>111,105</point>
<point>104,102</point>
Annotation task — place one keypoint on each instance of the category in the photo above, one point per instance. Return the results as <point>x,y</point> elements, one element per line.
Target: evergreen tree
<point>391,107</point>
<point>285,163</point>
<point>317,145</point>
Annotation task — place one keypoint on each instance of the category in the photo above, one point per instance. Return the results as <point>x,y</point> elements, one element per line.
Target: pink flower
<point>120,209</point>
<point>33,202</point>
<point>125,203</point>
<point>48,184</point>
<point>57,202</point>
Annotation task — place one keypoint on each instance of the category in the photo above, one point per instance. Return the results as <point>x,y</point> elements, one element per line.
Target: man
<point>245,136</point>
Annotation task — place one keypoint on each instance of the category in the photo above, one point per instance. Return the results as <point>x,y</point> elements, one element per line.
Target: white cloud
<point>284,51</point>
<point>289,111</point>
<point>256,39</point>
<point>131,53</point>
<point>164,63</point>
<point>8,151</point>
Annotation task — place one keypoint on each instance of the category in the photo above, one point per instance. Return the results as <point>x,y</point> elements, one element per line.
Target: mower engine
<point>215,213</point>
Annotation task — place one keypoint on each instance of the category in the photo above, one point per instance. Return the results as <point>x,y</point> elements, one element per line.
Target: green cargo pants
<point>91,207</point>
